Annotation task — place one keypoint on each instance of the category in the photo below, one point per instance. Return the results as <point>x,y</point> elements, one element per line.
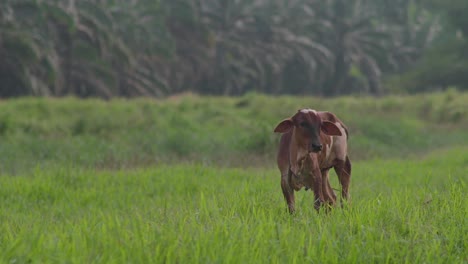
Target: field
<point>193,180</point>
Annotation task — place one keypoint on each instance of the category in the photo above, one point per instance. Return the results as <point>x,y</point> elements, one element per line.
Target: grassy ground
<point>193,180</point>
<point>402,211</point>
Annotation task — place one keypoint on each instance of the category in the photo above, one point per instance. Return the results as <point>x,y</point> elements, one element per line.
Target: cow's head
<point>306,125</point>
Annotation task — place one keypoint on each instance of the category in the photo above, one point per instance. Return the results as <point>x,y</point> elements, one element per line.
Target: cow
<point>313,142</point>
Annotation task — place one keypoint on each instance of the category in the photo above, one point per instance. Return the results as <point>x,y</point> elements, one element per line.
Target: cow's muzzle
<point>315,148</point>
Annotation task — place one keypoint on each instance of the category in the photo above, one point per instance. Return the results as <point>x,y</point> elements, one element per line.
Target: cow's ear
<point>284,126</point>
<point>330,129</point>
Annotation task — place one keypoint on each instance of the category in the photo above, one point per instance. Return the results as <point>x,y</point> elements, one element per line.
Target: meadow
<point>193,180</point>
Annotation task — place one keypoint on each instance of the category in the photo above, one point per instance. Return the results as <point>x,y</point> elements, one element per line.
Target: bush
<point>215,130</point>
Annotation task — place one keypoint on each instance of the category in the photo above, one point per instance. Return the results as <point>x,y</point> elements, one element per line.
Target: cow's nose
<point>316,148</point>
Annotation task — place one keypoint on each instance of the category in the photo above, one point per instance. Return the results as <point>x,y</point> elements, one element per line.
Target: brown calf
<point>312,143</point>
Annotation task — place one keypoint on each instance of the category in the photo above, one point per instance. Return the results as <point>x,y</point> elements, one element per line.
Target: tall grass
<point>131,181</point>
<point>402,211</point>
<point>214,130</point>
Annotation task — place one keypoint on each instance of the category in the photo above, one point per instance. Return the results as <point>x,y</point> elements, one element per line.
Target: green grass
<point>193,180</point>
<point>402,211</point>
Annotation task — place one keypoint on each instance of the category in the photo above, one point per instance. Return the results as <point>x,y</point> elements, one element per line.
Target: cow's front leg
<point>328,193</point>
<point>288,191</point>
<point>318,190</point>
<point>315,180</point>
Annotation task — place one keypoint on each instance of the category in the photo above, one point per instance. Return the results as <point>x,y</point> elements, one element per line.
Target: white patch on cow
<point>337,148</point>
<point>307,110</point>
<point>328,149</point>
<point>340,146</point>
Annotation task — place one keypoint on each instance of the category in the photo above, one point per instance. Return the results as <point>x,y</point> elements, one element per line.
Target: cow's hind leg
<point>343,170</point>
<point>328,193</point>
<point>288,191</point>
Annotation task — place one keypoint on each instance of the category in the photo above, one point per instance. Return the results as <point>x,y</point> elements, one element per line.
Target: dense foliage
<point>111,48</point>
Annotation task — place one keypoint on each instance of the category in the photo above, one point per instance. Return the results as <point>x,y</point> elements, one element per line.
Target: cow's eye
<point>304,124</point>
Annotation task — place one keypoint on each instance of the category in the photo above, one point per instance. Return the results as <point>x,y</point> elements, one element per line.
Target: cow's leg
<point>316,183</point>
<point>318,190</point>
<point>288,191</point>
<point>343,170</point>
<point>328,193</point>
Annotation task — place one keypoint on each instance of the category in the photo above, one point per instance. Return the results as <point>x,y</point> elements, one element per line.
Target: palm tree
<point>352,32</point>
<point>27,67</point>
<point>253,42</point>
<point>122,47</point>
<point>141,26</point>
<point>153,48</point>
<point>296,27</point>
<point>191,57</point>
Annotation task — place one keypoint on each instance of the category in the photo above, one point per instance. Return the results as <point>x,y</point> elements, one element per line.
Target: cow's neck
<point>297,152</point>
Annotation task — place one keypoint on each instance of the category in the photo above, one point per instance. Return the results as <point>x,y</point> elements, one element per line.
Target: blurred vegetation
<point>215,130</point>
<point>444,63</point>
<point>107,48</point>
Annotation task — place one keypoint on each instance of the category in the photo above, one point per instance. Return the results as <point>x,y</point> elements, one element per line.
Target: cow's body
<point>312,143</point>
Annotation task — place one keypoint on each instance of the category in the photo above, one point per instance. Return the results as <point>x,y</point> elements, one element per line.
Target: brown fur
<point>303,164</point>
